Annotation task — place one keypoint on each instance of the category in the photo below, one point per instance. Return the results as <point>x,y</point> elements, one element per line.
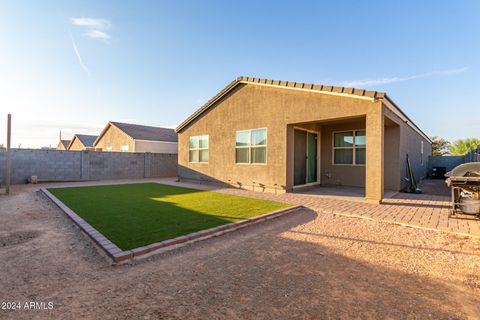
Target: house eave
<point>392,106</point>
<point>368,95</point>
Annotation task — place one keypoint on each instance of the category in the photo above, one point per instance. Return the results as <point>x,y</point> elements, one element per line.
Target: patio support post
<point>374,167</point>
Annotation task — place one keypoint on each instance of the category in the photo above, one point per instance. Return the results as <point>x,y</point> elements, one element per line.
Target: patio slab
<point>428,210</point>
<point>339,192</point>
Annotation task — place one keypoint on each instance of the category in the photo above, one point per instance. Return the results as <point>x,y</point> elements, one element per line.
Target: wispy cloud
<point>97,34</point>
<point>96,28</point>
<point>92,23</point>
<point>388,80</point>
<point>79,57</point>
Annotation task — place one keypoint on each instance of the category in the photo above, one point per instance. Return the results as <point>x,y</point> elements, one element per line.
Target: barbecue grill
<point>464,181</point>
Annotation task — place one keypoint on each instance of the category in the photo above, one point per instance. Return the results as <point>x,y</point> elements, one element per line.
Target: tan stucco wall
<point>392,157</point>
<point>76,145</point>
<point>115,138</point>
<point>155,147</point>
<point>60,146</point>
<point>409,142</point>
<point>252,106</point>
<point>347,175</point>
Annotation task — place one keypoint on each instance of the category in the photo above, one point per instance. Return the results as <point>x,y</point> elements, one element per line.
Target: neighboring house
<point>82,142</point>
<point>278,135</point>
<point>126,137</point>
<point>63,145</point>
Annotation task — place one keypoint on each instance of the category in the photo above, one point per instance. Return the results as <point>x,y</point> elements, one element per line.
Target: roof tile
<point>337,89</point>
<point>280,83</point>
<point>141,132</point>
<point>86,139</point>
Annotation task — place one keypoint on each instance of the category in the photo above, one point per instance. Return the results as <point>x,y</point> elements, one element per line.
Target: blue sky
<point>74,65</point>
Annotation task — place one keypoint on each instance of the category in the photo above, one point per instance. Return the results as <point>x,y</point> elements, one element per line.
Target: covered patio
<point>339,192</point>
<point>356,158</point>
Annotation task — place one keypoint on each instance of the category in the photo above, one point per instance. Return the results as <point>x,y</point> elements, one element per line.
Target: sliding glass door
<point>305,157</point>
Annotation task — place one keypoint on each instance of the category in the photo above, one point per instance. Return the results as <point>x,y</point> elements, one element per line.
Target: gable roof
<point>141,132</point>
<point>305,87</point>
<point>65,143</point>
<point>86,139</point>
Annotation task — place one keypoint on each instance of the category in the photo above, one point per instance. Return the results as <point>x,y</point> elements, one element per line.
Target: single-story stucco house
<point>81,142</point>
<point>127,137</point>
<point>279,135</point>
<point>63,144</point>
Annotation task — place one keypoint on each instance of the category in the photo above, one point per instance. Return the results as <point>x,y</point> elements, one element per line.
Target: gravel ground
<point>303,265</point>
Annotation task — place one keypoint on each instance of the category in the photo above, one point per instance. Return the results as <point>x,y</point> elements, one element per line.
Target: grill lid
<point>470,169</point>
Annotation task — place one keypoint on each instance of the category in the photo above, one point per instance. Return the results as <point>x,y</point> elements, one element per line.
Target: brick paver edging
<point>118,255</point>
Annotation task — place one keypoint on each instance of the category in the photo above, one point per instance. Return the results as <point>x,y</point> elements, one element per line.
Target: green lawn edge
<point>134,215</point>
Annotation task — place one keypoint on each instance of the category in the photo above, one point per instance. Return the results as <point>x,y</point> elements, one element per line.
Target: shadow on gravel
<point>320,235</point>
<point>260,273</point>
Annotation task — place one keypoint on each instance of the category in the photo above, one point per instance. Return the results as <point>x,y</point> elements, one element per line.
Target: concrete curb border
<point>118,255</point>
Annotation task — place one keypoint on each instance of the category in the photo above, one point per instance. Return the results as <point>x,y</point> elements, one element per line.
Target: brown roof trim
<point>207,105</point>
<point>407,120</point>
<point>71,141</point>
<point>336,90</point>
<point>65,143</point>
<point>102,133</point>
<point>77,136</point>
<point>119,125</point>
<point>351,92</point>
<point>110,123</point>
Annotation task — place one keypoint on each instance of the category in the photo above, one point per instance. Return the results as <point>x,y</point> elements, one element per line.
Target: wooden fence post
<point>8,160</point>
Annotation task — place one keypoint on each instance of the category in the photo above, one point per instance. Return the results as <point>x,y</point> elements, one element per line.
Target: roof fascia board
<point>199,112</point>
<point>348,95</point>
<point>113,124</point>
<point>101,134</point>
<point>105,130</point>
<point>160,141</point>
<point>73,139</point>
<point>398,112</point>
<point>206,106</point>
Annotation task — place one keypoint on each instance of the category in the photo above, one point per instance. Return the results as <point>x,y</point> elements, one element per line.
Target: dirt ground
<point>303,265</point>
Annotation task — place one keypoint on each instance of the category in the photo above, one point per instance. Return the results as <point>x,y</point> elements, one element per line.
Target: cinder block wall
<point>59,165</point>
<point>451,162</point>
<point>448,162</point>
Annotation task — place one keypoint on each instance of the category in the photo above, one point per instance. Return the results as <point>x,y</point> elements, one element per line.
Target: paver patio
<point>428,210</point>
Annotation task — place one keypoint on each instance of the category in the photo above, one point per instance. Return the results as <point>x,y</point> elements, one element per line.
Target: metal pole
<point>8,159</point>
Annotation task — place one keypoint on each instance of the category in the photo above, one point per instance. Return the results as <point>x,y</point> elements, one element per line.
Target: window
<point>251,146</point>
<point>108,149</point>
<point>199,149</point>
<point>349,147</point>
<point>124,148</point>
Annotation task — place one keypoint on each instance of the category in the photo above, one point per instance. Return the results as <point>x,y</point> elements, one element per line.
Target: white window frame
<point>353,148</point>
<point>250,147</point>
<point>198,149</point>
<point>124,148</point>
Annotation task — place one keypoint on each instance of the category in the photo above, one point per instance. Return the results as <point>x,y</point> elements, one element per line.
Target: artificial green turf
<point>134,215</point>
